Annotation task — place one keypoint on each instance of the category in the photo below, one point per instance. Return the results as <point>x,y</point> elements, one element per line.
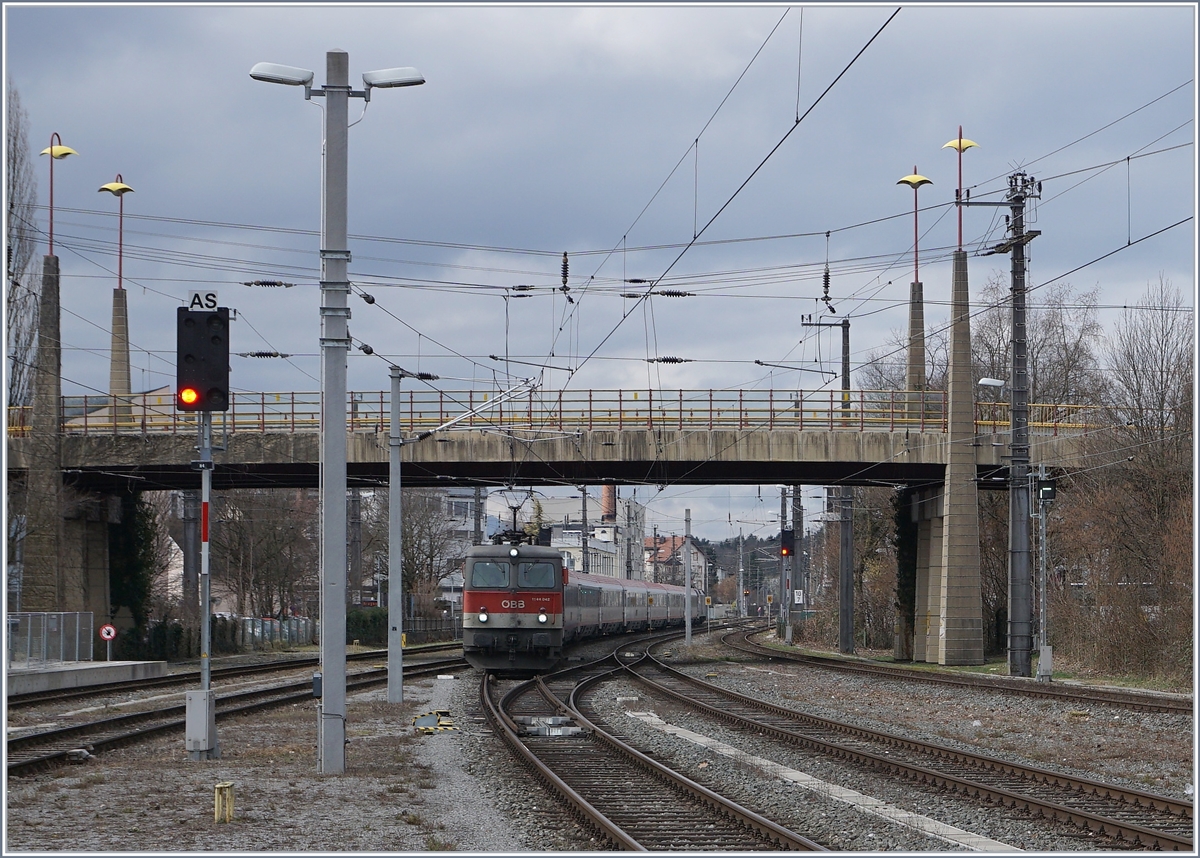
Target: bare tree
<point>1121,532</point>
<point>264,549</point>
<point>24,287</point>
<point>162,553</point>
<point>885,367</point>
<point>1062,328</point>
<point>431,550</point>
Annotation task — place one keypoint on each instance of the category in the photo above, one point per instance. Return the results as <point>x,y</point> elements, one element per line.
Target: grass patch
<point>433,843</point>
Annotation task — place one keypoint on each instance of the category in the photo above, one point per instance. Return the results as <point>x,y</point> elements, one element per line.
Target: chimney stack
<point>608,504</point>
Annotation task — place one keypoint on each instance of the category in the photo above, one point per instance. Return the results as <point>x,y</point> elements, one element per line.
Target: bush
<point>368,626</point>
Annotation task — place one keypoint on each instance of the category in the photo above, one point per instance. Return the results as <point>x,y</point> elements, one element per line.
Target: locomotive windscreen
<point>487,574</point>
<point>537,575</point>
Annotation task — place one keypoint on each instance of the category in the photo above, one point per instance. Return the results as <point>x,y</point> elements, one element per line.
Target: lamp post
<point>119,384</point>
<point>119,189</point>
<point>960,144</point>
<point>56,151</point>
<point>915,181</point>
<point>915,372</point>
<point>335,344</point>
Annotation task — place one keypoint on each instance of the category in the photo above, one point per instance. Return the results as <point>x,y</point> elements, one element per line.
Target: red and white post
<point>201,709</point>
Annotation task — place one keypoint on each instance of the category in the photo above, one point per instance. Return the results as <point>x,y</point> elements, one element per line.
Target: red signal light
<point>189,396</point>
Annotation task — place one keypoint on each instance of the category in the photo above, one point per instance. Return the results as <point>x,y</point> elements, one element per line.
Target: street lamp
<point>960,144</point>
<point>119,383</point>
<point>119,189</point>
<point>915,181</point>
<point>915,370</point>
<point>56,151</point>
<point>335,344</point>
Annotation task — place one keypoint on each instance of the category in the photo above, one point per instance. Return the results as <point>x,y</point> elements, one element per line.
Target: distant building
<point>664,561</point>
<point>460,512</point>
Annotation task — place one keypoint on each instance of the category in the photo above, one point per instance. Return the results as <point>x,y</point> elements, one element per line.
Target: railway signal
<point>787,543</point>
<point>202,359</point>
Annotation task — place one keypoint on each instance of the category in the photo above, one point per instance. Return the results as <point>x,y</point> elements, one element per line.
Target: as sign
<point>202,300</point>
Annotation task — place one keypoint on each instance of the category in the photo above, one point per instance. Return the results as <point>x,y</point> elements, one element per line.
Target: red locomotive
<point>521,605</point>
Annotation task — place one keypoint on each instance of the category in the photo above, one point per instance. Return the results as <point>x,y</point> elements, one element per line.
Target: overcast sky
<point>599,131</point>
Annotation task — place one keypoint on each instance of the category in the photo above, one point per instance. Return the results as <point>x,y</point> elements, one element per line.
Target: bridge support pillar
<point>928,621</point>
<point>42,585</point>
<point>960,633</point>
<point>66,541</point>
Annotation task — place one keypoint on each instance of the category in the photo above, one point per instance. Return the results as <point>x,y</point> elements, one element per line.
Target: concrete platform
<point>80,674</point>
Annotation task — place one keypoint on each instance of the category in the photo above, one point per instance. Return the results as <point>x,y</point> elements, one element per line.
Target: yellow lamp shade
<point>115,188</point>
<point>914,181</point>
<point>961,144</point>
<point>59,152</point>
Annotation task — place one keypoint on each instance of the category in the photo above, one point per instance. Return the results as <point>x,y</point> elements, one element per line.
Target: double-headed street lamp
<point>335,345</point>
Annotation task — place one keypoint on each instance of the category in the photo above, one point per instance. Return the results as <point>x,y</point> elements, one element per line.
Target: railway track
<point>55,695</point>
<point>636,803</point>
<point>1089,695</point>
<point>1134,816</point>
<point>48,748</point>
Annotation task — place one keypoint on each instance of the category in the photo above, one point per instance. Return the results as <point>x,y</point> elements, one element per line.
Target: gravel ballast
<point>462,790</point>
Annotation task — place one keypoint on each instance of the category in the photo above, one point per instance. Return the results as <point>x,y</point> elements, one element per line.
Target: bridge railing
<point>557,411</point>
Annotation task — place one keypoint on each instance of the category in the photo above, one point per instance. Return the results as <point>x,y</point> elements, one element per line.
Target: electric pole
<point>584,531</point>
<point>1020,574</point>
<point>846,565</point>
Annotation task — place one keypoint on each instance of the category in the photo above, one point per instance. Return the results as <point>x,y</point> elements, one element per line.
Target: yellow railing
<point>559,411</point>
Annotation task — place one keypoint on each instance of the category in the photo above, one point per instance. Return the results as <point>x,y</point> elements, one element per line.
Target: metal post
<point>477,537</point>
<point>395,661</point>
<point>1020,579</point>
<point>335,344</point>
<point>1045,669</point>
<point>205,578</point>
<point>783,507</point>
<point>200,715</point>
<point>654,557</point>
<point>846,573</point>
<point>798,582</point>
<point>741,593</point>
<point>687,577</point>
<point>583,533</point>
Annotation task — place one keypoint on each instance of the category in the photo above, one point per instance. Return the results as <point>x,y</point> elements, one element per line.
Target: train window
<point>539,575</point>
<point>485,573</point>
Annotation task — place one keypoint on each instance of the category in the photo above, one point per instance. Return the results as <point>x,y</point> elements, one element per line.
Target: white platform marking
<point>861,802</point>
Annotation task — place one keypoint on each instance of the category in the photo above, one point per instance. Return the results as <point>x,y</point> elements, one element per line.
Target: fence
<point>568,410</point>
<point>267,633</point>
<point>37,639</point>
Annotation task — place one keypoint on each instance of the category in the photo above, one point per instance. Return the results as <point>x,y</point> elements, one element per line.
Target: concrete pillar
<point>961,633</point>
<point>933,644</point>
<point>119,388</point>
<point>914,380</point>
<point>921,614</point>
<point>42,582</point>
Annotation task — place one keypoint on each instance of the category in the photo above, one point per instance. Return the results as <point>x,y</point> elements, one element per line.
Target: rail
<point>562,411</point>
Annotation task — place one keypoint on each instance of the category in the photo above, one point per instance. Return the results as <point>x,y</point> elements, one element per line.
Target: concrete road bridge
<point>745,437</point>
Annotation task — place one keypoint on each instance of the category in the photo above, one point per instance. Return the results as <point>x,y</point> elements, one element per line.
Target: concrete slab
<point>80,674</point>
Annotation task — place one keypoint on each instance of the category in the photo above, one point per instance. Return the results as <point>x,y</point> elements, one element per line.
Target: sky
<point>655,143</point>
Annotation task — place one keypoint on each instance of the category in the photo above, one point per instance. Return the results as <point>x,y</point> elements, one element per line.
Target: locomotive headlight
<point>542,617</point>
<point>483,615</point>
